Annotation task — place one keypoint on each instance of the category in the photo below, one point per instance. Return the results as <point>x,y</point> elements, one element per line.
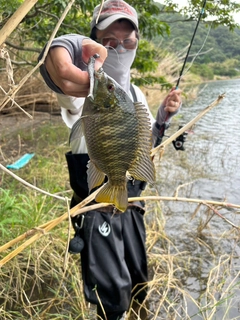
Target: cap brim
<point>102,25</point>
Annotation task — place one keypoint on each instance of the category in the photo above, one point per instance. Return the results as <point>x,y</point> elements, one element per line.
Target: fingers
<point>173,101</point>
<point>89,48</point>
<point>69,78</point>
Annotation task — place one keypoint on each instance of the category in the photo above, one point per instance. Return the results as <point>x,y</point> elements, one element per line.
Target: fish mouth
<point>95,76</point>
<point>99,76</point>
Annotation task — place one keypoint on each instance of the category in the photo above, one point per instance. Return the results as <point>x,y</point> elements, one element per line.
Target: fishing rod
<point>178,143</point>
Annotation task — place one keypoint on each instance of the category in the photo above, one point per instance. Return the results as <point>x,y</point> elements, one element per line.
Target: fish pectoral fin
<point>95,176</point>
<point>77,130</point>
<point>116,195</point>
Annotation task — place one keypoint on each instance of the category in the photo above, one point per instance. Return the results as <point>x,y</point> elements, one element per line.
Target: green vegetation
<point>39,283</point>
<point>214,52</point>
<point>21,209</point>
<point>195,278</point>
<point>156,23</point>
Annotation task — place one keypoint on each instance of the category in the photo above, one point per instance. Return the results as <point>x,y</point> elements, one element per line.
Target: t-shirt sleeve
<point>72,43</point>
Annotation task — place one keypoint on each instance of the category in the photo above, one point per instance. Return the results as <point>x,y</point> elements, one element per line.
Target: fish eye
<point>111,87</point>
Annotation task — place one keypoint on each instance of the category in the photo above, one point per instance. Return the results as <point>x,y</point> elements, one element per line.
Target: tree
<point>220,12</point>
<point>35,29</point>
<point>37,26</point>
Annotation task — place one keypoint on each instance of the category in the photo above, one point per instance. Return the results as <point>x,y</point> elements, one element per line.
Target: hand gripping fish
<point>118,137</point>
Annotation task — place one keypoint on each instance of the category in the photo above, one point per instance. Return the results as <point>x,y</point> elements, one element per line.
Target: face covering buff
<point>117,65</point>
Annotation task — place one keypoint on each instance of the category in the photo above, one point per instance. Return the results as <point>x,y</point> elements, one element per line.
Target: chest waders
<point>112,246</point>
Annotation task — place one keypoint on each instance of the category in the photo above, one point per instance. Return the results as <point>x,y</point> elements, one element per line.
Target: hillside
<point>217,50</point>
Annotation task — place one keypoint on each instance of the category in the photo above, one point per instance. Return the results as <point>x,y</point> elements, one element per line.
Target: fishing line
<point>163,127</point>
<point>197,54</point>
<point>189,48</point>
<point>118,55</point>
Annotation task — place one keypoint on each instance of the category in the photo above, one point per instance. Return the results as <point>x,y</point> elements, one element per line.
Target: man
<point>114,264</point>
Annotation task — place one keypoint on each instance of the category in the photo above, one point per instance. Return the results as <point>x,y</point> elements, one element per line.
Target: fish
<point>117,132</point>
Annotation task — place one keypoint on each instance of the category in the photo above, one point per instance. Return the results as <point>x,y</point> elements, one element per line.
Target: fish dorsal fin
<point>95,176</point>
<point>142,168</point>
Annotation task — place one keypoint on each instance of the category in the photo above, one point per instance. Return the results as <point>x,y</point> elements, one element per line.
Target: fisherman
<point>113,257</point>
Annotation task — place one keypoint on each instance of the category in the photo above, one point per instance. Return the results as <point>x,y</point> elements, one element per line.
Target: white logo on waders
<point>104,229</point>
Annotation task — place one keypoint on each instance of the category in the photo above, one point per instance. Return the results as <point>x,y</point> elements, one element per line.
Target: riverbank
<point>193,253</point>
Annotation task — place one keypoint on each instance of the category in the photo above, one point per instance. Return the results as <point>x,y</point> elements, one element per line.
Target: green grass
<point>36,285</point>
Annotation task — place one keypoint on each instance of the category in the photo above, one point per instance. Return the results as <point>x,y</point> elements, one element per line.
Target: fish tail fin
<point>116,194</point>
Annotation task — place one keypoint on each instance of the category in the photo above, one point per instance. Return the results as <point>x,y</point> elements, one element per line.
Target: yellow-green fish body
<point>118,138</point>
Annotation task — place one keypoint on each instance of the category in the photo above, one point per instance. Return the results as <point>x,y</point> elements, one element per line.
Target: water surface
<point>209,169</point>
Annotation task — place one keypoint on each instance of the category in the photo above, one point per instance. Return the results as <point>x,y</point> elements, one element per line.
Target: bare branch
<point>10,44</point>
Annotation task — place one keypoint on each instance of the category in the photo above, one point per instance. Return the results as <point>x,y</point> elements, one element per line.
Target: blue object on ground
<point>21,162</point>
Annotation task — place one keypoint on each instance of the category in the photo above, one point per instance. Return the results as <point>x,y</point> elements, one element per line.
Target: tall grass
<point>35,284</point>
<point>190,277</point>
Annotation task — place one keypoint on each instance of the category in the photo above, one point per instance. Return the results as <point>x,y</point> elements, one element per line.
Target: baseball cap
<point>111,11</point>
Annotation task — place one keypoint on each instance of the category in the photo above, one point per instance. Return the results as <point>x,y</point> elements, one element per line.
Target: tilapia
<point>118,138</point>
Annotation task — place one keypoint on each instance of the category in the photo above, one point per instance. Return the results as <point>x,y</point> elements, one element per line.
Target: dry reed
<point>35,285</point>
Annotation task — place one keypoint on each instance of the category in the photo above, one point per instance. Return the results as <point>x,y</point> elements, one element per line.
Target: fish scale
<point>120,151</point>
<point>118,137</point>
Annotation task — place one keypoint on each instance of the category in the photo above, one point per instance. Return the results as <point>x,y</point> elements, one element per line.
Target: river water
<point>209,169</point>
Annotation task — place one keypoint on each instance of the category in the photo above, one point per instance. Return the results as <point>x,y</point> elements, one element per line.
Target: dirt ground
<point>12,124</point>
